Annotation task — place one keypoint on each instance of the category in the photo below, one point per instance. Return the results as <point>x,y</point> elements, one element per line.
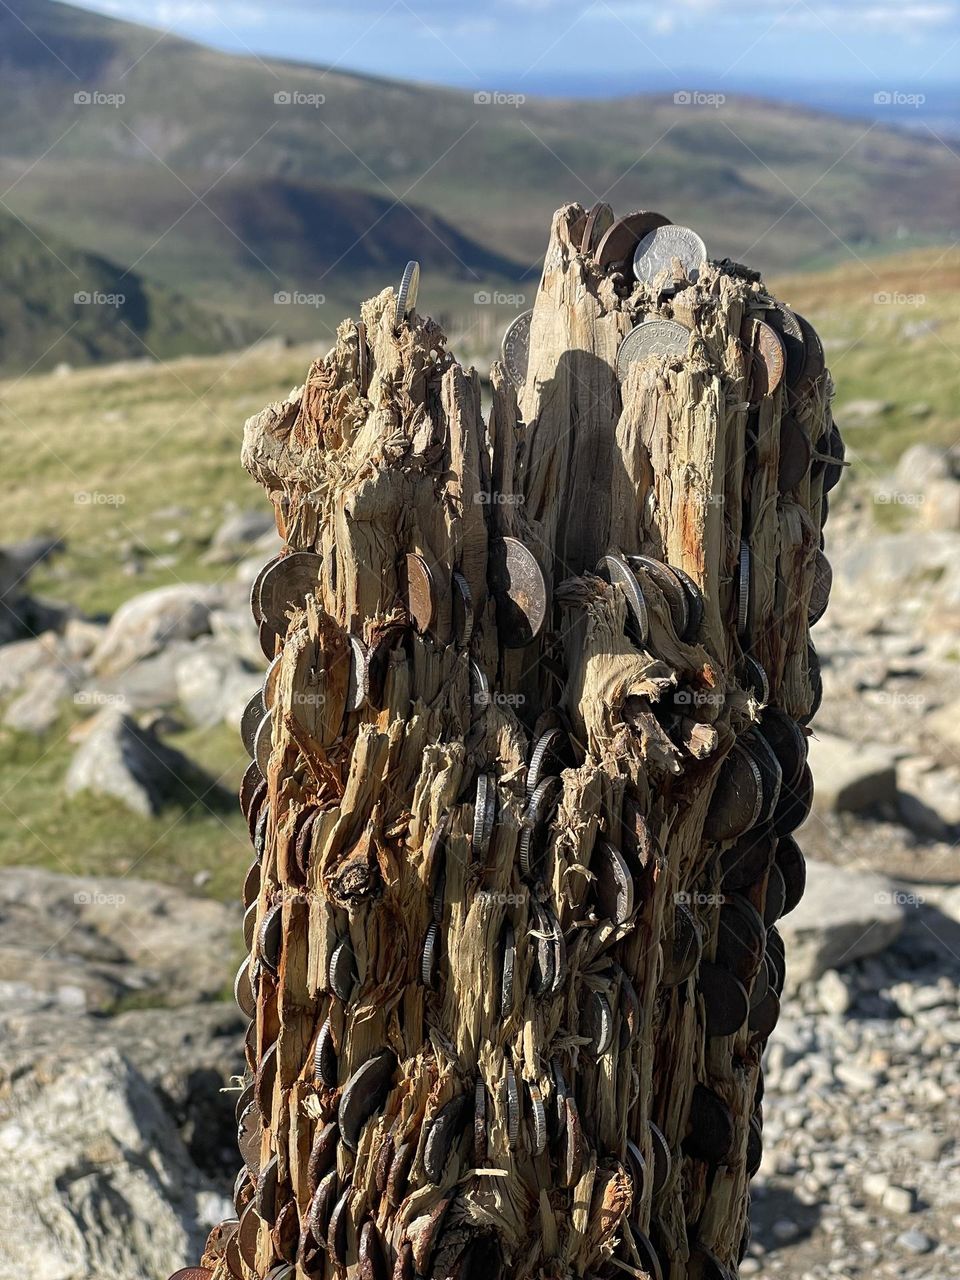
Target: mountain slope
<point>60,305</point>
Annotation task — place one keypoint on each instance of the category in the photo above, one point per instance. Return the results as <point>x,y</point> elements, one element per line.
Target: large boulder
<point>148,623</point>
<point>238,533</point>
<point>850,777</point>
<point>213,684</point>
<point>83,943</point>
<point>95,1182</point>
<point>118,758</point>
<point>843,916</point>
<point>40,704</point>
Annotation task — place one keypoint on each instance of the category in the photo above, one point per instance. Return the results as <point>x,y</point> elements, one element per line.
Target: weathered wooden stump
<point>524,788</point>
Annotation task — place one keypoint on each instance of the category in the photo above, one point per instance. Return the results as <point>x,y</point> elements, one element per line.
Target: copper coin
<point>371,1258</point>
<point>521,592</point>
<point>615,570</point>
<point>682,947</point>
<point>769,347</point>
<point>795,454</point>
<point>286,1237</point>
<point>363,1094</point>
<point>255,589</point>
<point>725,1000</point>
<point>192,1273</point>
<point>286,585</point>
<point>619,242</point>
<point>599,221</point>
<point>251,786</point>
<point>788,327</point>
<point>323,1154</point>
<point>421,593</point>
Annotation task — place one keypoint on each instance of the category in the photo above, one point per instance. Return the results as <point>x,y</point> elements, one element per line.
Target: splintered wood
<point>530,755</point>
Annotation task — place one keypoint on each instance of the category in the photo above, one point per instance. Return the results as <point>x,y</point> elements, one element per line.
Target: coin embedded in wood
<point>551,749</point>
<point>711,1127</point>
<point>737,799</point>
<point>619,242</point>
<point>613,887</point>
<point>263,743</point>
<point>539,808</point>
<point>342,971</point>
<point>515,349</point>
<point>192,1273</point>
<point>771,775</point>
<point>694,602</point>
<point>794,805</point>
<point>599,221</point>
<point>764,1018</point>
<point>793,868</point>
<point>787,325</point>
<point>671,588</point>
<point>325,1057</point>
<point>542,971</point>
<point>520,590</point>
<point>484,813</point>
<point>250,719</point>
<point>255,589</point>
<point>775,896</point>
<point>597,1023</point>
<point>820,591</point>
<point>358,687</point>
<point>814,364</point>
<point>725,1000</point>
<point>512,1098</point>
<point>538,1121</point>
<point>615,570</point>
<point>321,1206</point>
<point>755,679</point>
<point>243,990</point>
<point>747,860</point>
<point>833,471</point>
<point>788,742</point>
<point>657,249</point>
<point>770,349</point>
<point>364,1093</point>
<point>741,938</point>
<point>662,1158</point>
<point>637,1168</point>
<point>651,338</point>
<point>743,590</point>
<point>682,947</point>
<point>285,1237</point>
<point>266,1195</point>
<point>249,1137</point>
<point>270,938</point>
<point>286,585</point>
<point>430,955</point>
<point>421,592</point>
<point>323,1154</point>
<point>269,641</point>
<point>480,1121</point>
<point>796,453</point>
<point>407,293</point>
<point>253,788</point>
<point>371,1257</point>
<point>479,686</point>
<point>462,610</point>
<point>445,1130</point>
<point>508,961</point>
<point>649,1260</point>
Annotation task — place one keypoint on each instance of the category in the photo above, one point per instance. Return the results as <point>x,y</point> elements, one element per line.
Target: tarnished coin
<point>325,1057</point>
<point>407,293</point>
<point>662,1158</point>
<point>192,1273</point>
<point>244,1098</point>
<point>338,1228</point>
<point>539,808</point>
<point>263,743</point>
<point>253,788</point>
<point>615,570</point>
<point>358,687</point>
<point>260,831</point>
<point>430,955</point>
<point>462,610</point>
<point>250,719</point>
<point>816,685</point>
<point>793,868</point>
<point>694,602</point>
<point>371,1256</point>
<point>755,679</point>
<point>671,587</point>
<point>480,1121</point>
<point>637,1168</point>
<point>747,860</point>
<point>445,1129</point>
<point>787,325</point>
<point>543,969</point>
<point>321,1206</point>
<point>550,750</point>
<point>266,1197</point>
<point>363,359</point>
<point>737,800</point>
<point>484,813</point>
<point>649,1259</point>
<point>743,590</point>
<point>598,223</point>
<point>342,971</point>
<point>421,592</point>
<point>597,1023</point>
<point>814,364</point>
<point>794,804</point>
<point>651,338</point>
<point>787,741</point>
<point>741,938</point>
<point>271,681</point>
<point>619,242</point>
<point>323,1154</point>
<point>795,454</point>
<point>479,687</point>
<point>520,590</point>
<point>251,884</point>
<point>265,1079</point>
<point>775,896</point>
<point>682,947</point>
<point>833,471</point>
<point>515,349</point>
<point>243,990</point>
<point>512,1098</point>
<point>711,1126</point>
<point>538,1118</point>
<point>725,1000</point>
<point>768,370</point>
<point>766,1015</point>
<point>286,585</point>
<point>820,591</point>
<point>613,887</point>
<point>268,640</point>
<point>508,967</point>
<point>364,1093</point>
<point>255,590</point>
<point>249,1137</point>
<point>656,251</point>
<point>270,938</point>
<point>771,775</point>
<point>754,1147</point>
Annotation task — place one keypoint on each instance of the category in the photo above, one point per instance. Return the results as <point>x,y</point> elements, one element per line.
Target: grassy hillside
<point>208,182</point>
<point>60,305</point>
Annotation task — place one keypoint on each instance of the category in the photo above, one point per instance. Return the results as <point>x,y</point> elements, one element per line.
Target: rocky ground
<point>119,1050</point>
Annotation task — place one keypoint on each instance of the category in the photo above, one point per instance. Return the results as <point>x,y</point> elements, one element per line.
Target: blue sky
<point>590,46</point>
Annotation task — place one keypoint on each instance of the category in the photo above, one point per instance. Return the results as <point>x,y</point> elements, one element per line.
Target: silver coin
<point>743,591</point>
<point>513,1105</point>
<point>484,814</point>
<point>539,1116</point>
<point>479,686</point>
<point>250,719</point>
<point>428,960</point>
<point>243,991</point>
<point>263,743</point>
<point>342,971</point>
<point>656,251</point>
<point>651,338</point>
<point>462,610</point>
<point>615,570</point>
<point>407,293</point>
<point>515,348</point>
<point>508,948</point>
<point>358,688</point>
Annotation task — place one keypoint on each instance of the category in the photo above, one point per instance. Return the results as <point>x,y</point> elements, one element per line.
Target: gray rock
<point>213,684</point>
<point>119,759</point>
<point>238,532</point>
<point>857,412</point>
<point>149,685</point>
<point>842,916</point>
<point>149,622</point>
<point>833,994</point>
<point>236,630</point>
<point>920,464</point>
<point>87,943</point>
<point>940,508</point>
<point>899,1200</point>
<point>850,777</point>
<point>944,725</point>
<point>915,1241</point>
<point>94,1179</point>
<point>39,706</point>
<point>22,658</point>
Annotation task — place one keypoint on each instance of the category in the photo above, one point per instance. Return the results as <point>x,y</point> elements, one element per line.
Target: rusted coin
<point>814,364</point>
<point>796,453</point>
<point>232,1258</point>
<point>342,970</point>
<point>286,585</point>
<point>407,293</point>
<point>613,887</point>
<point>250,719</point>
<point>480,1121</point>
<point>430,955</point>
<point>249,1137</point>
<point>671,588</point>
<point>270,938</point>
<point>737,799</point>
<point>651,338</point>
<point>793,868</point>
<point>788,327</point>
<point>445,1130</point>
<point>515,349</point>
<point>658,248</point>
<point>682,947</point>
<point>479,687</point>
<point>520,590</point>
<point>551,750</point>
<point>243,990</point>
<point>771,775</point>
<point>192,1273</point>
<point>266,1197</point>
<point>484,814</point>
<point>399,1173</point>
<point>321,1206</point>
<point>534,828</point>
<point>421,592</point>
<point>596,1023</point>
<point>253,788</point>
<point>325,1057</point>
<point>820,591</point>
<point>371,1256</point>
<point>512,1099</point>
<point>725,1000</point>
<point>766,1015</point>
<point>462,610</point>
<point>748,860</point>
<point>508,953</point>
<point>599,221</point>
<point>787,741</point>
<point>662,1158</point>
<point>323,1154</point>
<point>363,1094</point>
<point>618,244</point>
<point>795,804</point>
<point>615,570</point>
<point>775,896</point>
<point>711,1128</point>
<point>286,1237</point>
